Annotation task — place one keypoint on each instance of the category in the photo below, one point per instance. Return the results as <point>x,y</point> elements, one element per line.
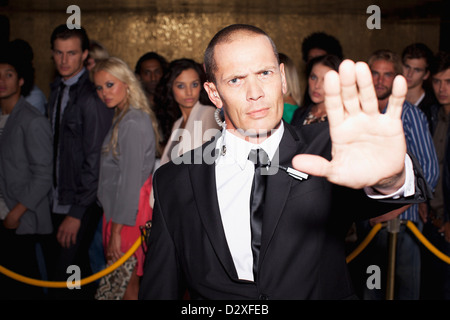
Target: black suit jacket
<point>302,250</point>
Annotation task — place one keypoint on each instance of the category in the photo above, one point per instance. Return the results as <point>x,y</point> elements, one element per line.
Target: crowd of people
<point>83,170</point>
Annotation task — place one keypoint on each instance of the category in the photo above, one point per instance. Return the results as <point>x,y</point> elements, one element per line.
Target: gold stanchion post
<point>393,227</point>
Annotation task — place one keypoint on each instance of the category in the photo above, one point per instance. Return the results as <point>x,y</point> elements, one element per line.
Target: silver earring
<point>218,118</point>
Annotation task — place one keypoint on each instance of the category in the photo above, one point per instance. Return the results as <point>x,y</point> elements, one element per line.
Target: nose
<point>153,77</point>
<point>63,58</point>
<point>409,73</point>
<point>254,89</point>
<point>318,84</point>
<point>188,91</point>
<point>376,79</point>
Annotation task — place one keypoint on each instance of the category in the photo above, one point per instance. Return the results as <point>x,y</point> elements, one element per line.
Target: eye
<point>234,81</point>
<point>109,84</point>
<point>98,88</point>
<point>180,86</point>
<point>313,77</point>
<point>195,84</point>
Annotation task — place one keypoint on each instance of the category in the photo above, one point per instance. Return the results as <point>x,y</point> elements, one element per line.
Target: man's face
<point>68,56</point>
<point>249,84</point>
<point>415,72</point>
<point>150,74</point>
<point>9,81</point>
<point>441,87</point>
<point>383,73</point>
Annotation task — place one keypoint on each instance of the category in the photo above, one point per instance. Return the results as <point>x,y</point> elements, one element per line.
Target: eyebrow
<point>198,79</point>
<point>240,76</point>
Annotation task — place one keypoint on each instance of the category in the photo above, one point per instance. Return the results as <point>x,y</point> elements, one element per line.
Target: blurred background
<point>183,28</point>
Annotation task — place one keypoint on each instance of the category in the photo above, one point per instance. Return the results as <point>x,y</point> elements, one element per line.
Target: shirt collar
<point>74,79</point>
<point>233,149</point>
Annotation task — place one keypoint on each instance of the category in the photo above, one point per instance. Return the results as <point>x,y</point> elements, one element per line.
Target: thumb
<point>311,164</point>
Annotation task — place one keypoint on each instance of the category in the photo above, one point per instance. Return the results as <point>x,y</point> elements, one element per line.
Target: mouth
<point>258,113</point>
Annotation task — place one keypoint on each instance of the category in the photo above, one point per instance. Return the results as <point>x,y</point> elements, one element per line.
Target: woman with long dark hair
<point>183,108</point>
<point>313,108</point>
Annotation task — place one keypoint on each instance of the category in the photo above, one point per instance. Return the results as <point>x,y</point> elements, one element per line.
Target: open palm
<point>368,148</point>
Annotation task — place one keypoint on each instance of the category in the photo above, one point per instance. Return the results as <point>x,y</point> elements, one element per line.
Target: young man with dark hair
<point>416,61</point>
<point>149,69</point>
<point>25,178</point>
<point>80,122</point>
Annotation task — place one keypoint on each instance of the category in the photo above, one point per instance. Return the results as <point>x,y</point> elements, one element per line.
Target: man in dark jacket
<point>80,122</point>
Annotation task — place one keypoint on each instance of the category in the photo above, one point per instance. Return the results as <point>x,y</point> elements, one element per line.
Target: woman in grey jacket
<point>127,161</point>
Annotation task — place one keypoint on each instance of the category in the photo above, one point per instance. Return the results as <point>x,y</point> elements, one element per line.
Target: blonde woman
<point>292,97</point>
<point>127,161</point>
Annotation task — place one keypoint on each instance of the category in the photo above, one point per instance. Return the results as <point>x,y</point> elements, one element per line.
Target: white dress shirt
<point>234,177</point>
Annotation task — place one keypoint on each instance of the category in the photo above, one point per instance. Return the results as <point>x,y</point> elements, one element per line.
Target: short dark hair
<point>418,51</point>
<point>224,35</point>
<point>63,32</point>
<point>151,56</point>
<point>14,55</point>
<point>324,41</point>
<point>441,62</point>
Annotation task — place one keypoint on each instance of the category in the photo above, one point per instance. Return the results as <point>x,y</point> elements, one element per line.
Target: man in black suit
<point>205,236</point>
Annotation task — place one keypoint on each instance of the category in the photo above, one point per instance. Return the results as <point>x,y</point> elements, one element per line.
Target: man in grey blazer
<point>25,178</point>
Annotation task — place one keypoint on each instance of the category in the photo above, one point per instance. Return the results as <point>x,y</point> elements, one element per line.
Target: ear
<point>213,94</point>
<point>85,54</point>
<point>427,74</point>
<point>283,79</point>
<point>21,82</point>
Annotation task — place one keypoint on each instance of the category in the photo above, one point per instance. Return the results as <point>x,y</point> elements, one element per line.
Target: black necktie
<point>56,135</point>
<point>260,158</point>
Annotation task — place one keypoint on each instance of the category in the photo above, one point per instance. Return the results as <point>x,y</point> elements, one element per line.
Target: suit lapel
<point>203,180</point>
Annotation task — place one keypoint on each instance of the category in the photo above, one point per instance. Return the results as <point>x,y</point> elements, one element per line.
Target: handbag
<point>114,284</point>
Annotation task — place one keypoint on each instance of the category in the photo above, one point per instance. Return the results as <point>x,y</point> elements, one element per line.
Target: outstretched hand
<point>368,148</point>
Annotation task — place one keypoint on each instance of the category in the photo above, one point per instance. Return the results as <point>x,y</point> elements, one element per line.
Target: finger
<point>311,164</point>
<point>349,91</point>
<point>333,99</point>
<point>367,94</point>
<point>395,104</point>
<point>73,239</point>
